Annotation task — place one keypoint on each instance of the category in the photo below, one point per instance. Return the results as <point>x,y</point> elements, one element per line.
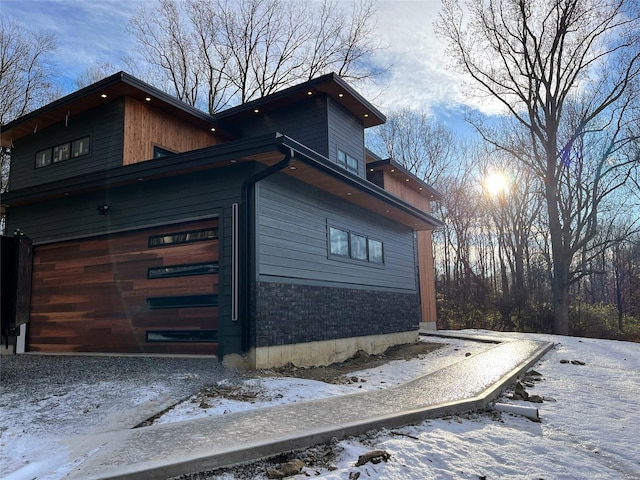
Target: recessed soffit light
<point>148,99</point>
<point>256,110</point>
<point>104,95</point>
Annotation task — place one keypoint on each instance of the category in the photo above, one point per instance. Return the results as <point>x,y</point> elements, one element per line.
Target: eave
<point>113,87</point>
<point>395,169</point>
<point>306,165</point>
<point>331,85</point>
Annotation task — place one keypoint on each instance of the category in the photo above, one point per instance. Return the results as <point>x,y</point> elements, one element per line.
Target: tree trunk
<point>560,251</point>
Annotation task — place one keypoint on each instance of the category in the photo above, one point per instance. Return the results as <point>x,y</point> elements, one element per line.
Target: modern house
<point>264,234</point>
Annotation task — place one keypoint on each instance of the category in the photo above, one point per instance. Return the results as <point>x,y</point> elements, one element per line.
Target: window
<point>339,242</point>
<point>62,152</point>
<point>182,270</point>
<point>183,301</point>
<point>43,158</point>
<point>159,152</point>
<point>355,246</point>
<point>347,161</point>
<point>80,147</point>
<point>375,251</point>
<point>358,247</point>
<point>182,335</point>
<point>183,237</point>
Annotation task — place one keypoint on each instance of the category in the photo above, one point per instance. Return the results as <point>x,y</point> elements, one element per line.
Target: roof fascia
<point>95,88</point>
<point>302,87</point>
<point>392,163</point>
<point>314,159</point>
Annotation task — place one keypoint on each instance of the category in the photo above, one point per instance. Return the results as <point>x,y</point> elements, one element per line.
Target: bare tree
<point>95,73</point>
<point>421,144</point>
<point>24,78</point>
<point>220,52</point>
<point>535,58</point>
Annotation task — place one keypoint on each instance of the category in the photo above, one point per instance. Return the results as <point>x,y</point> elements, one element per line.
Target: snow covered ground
<point>590,422</point>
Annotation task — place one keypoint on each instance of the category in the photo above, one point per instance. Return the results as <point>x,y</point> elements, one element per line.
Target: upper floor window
<point>347,161</point>
<point>62,152</point>
<point>159,152</point>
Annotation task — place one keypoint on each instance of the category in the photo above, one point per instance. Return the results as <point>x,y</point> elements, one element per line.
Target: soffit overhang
<point>306,165</point>
<point>401,174</point>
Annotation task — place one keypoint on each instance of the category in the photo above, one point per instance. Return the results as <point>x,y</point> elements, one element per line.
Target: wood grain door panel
<point>91,295</point>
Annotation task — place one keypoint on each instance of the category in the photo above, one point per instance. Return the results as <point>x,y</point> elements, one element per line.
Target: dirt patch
<point>339,373</point>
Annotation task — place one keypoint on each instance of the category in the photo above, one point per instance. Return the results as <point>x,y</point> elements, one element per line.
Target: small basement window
<point>182,335</point>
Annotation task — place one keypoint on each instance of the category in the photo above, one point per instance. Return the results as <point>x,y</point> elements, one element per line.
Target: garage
<point>146,291</point>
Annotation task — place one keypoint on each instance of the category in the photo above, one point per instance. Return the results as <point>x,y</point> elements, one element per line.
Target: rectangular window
<point>347,161</point>
<point>183,237</point>
<point>43,158</point>
<point>182,335</point>
<point>375,251</point>
<point>358,247</point>
<point>355,246</point>
<point>80,147</point>
<point>342,158</point>
<point>182,301</point>
<point>61,152</point>
<point>182,270</point>
<point>352,163</point>
<point>339,241</point>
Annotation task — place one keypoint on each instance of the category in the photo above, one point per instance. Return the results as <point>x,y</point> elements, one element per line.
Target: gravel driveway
<point>79,394</point>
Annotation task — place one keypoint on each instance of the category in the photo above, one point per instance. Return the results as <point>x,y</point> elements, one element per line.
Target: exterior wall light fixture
<point>103,209</point>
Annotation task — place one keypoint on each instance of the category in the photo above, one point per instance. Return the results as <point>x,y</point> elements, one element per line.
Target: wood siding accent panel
<point>146,127</point>
<point>427,277</point>
<point>346,132</point>
<point>292,240</point>
<point>396,184</point>
<point>105,127</point>
<point>91,295</point>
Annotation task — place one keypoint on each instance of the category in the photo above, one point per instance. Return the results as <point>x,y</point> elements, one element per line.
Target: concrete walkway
<point>169,450</point>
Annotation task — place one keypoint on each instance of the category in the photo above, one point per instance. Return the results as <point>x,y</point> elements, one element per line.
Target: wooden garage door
<point>151,291</point>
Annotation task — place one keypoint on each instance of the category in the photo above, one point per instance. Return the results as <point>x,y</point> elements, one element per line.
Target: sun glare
<point>496,184</point>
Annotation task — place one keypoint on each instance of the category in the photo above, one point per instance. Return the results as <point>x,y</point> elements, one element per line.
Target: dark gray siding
<point>305,122</point>
<point>346,133</point>
<point>105,126</point>
<point>181,198</point>
<point>292,240</point>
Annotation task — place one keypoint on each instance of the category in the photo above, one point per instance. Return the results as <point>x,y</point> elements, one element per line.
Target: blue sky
<point>96,30</point>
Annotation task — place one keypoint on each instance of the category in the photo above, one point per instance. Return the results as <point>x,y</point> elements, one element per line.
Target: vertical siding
<point>346,132</point>
<point>292,240</point>
<point>105,126</point>
<point>305,122</point>
<point>146,127</point>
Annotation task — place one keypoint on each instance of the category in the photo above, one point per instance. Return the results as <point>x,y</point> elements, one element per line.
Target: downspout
<point>247,243</point>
